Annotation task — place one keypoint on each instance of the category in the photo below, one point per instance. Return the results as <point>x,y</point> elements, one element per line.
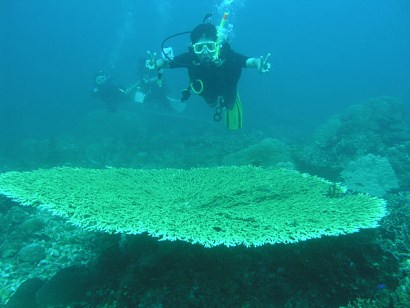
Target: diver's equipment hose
<point>201,86</point>
<point>166,54</point>
<point>167,39</point>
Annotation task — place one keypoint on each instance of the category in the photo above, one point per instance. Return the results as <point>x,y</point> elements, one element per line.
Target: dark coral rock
<point>32,253</point>
<point>25,294</point>
<point>69,286</point>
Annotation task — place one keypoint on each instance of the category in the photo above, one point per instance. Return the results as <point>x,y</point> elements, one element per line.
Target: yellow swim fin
<point>233,117</point>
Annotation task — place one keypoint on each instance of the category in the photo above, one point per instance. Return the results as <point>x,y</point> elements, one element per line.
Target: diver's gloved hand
<point>151,62</point>
<point>264,65</point>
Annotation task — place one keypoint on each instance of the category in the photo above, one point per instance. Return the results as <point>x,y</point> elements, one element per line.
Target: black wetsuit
<point>218,80</point>
<point>110,93</point>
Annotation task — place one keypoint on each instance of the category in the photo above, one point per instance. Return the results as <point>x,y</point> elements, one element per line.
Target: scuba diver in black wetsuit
<point>107,90</point>
<point>146,90</point>
<point>214,70</point>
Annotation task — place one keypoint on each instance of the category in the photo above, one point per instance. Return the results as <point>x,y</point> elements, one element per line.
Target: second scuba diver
<point>146,90</point>
<point>214,70</point>
<point>108,90</point>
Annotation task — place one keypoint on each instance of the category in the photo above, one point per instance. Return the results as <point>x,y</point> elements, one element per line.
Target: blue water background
<point>326,55</point>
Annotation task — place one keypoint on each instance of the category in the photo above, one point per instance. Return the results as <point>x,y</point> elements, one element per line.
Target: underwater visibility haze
<point>116,192</point>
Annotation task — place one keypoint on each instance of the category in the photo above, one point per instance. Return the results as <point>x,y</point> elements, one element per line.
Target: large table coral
<point>210,206</point>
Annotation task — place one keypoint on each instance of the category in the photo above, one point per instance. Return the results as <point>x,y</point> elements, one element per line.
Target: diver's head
<point>101,77</point>
<point>204,42</point>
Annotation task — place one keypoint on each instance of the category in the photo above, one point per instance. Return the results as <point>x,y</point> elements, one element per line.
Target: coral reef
<point>370,174</point>
<point>211,206</point>
<point>268,153</point>
<point>394,240</point>
<point>377,126</point>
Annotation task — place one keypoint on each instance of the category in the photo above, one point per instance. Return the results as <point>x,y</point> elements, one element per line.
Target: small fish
<point>380,286</point>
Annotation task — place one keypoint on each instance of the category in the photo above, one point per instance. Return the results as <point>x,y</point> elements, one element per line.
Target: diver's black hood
<point>207,30</point>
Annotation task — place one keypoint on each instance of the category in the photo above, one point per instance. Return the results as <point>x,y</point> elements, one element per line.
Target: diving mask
<point>101,79</point>
<point>200,47</point>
